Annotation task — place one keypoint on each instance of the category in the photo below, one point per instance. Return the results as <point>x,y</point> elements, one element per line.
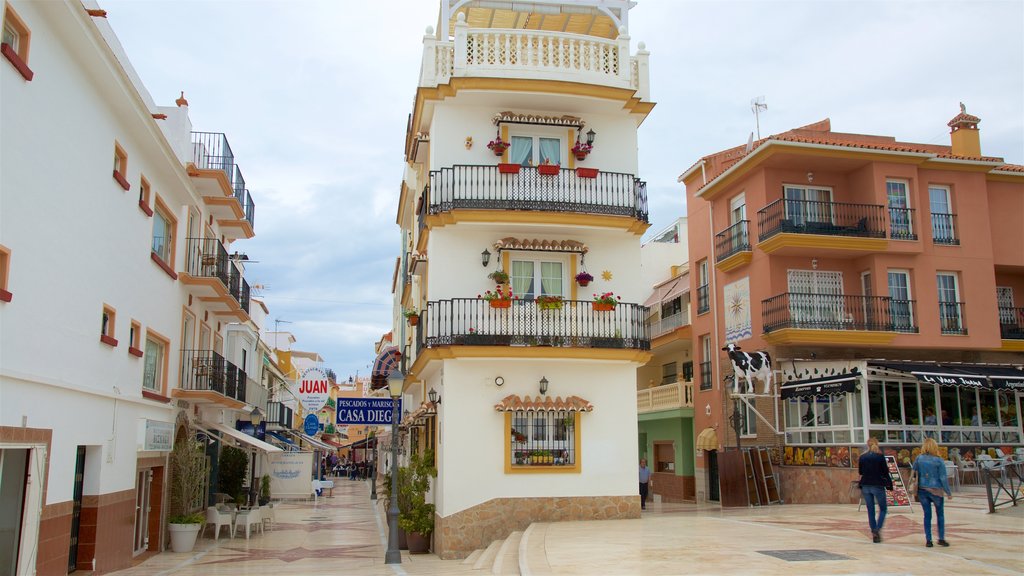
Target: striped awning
<point>707,439</point>
<point>388,360</point>
<point>513,403</point>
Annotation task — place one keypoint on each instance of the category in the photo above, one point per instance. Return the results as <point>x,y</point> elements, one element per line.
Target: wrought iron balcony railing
<point>944,229</point>
<point>703,299</point>
<point>485,188</point>
<point>705,375</point>
<point>211,151</point>
<point>951,318</point>
<point>901,223</point>
<point>1011,323</point>
<point>279,414</point>
<point>207,258</point>
<point>208,370</point>
<point>256,395</point>
<point>838,312</point>
<point>238,287</point>
<point>576,324</point>
<point>818,217</point>
<point>732,240</point>
<point>243,196</point>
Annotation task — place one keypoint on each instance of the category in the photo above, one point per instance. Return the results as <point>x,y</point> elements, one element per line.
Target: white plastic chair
<point>970,467</point>
<point>952,475</point>
<point>218,519</point>
<point>267,513</point>
<point>247,518</point>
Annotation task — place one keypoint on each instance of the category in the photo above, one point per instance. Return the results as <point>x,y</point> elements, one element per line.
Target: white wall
<point>472,433</point>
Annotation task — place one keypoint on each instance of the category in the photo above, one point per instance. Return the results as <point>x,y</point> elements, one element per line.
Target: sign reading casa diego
<point>313,389</point>
<point>364,411</point>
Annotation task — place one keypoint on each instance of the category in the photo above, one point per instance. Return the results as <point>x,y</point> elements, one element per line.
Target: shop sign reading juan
<point>313,389</point>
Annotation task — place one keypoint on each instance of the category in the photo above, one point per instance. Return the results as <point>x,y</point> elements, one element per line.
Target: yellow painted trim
<point>735,261</point>
<point>424,235</point>
<point>824,241</point>
<point>639,357</point>
<point>219,175</point>
<point>510,469</point>
<point>504,138</point>
<point>626,223</point>
<point>243,225</point>
<point>572,278</point>
<point>403,199</point>
<point>208,396</point>
<point>232,203</point>
<point>825,337</point>
<point>1012,345</point>
<point>569,143</point>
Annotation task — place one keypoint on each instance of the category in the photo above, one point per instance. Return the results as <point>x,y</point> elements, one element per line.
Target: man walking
<point>645,482</point>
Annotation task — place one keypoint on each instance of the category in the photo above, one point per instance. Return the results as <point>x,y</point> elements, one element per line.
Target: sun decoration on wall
<point>737,306</point>
<point>607,275</point>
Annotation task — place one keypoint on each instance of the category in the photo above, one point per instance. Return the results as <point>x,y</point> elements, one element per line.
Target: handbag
<point>855,492</point>
<point>912,485</point>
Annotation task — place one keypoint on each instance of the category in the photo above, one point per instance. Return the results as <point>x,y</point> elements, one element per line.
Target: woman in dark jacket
<point>874,481</point>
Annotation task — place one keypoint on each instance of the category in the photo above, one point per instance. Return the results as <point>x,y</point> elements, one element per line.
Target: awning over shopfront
<point>243,437</point>
<point>314,442</point>
<point>963,375</point>
<point>389,359</point>
<point>668,290</point>
<point>707,439</point>
<point>283,441</point>
<point>821,386</point>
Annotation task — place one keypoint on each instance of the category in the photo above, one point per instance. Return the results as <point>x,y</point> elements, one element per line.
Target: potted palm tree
<point>187,467</point>
<point>417,518</point>
<point>265,490</point>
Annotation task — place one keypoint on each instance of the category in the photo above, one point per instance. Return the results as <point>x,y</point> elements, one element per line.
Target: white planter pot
<point>183,536</point>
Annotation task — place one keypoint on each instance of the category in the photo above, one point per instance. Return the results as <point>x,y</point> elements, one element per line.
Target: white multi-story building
<point>522,157</point>
<point>124,311</point>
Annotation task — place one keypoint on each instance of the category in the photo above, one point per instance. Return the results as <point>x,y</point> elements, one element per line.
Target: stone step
<point>533,558</point>
<point>471,559</point>
<point>507,559</point>
<point>487,558</point>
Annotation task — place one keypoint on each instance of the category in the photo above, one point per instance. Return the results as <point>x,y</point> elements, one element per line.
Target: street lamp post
<point>396,382</point>
<point>736,419</point>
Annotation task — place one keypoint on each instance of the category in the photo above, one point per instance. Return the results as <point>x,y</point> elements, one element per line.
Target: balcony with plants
<point>219,180</point>
<point>206,377</point>
<point>500,318</point>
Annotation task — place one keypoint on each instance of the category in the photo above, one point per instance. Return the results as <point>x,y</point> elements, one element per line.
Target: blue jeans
<point>875,495</point>
<point>927,499</point>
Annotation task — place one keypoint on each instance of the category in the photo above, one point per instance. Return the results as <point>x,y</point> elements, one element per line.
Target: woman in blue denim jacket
<point>931,485</point>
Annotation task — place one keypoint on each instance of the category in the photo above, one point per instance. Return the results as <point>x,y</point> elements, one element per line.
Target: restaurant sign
<point>364,411</point>
<point>314,389</point>
<point>155,436</point>
<point>951,380</point>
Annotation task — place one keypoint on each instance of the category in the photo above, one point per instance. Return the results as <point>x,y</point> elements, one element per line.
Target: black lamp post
<point>396,382</point>
<point>736,419</point>
<point>373,469</point>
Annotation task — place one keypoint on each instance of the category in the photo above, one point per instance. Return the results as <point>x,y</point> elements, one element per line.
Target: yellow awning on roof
<point>584,20</point>
<point>707,439</point>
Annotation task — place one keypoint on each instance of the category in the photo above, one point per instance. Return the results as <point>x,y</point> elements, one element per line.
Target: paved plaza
<point>345,534</point>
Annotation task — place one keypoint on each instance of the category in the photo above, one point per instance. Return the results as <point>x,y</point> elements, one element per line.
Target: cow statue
<point>758,364</point>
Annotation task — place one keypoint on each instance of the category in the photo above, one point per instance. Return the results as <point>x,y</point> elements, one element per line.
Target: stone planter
<point>183,536</point>
<point>418,543</point>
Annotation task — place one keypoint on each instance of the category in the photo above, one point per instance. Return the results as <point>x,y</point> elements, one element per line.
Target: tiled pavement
<point>345,534</point>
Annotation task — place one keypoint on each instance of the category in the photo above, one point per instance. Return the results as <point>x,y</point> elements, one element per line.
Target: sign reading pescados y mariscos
<point>364,411</point>
<point>313,389</point>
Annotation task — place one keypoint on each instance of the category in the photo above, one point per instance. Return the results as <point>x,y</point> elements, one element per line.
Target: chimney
<point>964,133</point>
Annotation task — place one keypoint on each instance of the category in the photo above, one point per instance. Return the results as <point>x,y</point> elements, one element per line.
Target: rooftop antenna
<point>277,324</point>
<point>756,105</point>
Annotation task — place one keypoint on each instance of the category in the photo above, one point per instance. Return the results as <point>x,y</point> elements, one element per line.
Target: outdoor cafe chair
<point>218,519</point>
<point>951,474</point>
<point>267,513</point>
<point>247,519</point>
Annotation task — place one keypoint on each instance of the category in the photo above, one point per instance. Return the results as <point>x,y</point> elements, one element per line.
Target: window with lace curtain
<point>533,278</point>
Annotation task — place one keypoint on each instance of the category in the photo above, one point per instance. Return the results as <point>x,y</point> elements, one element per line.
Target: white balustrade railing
<point>534,54</point>
<point>667,397</point>
<point>256,395</point>
<point>669,323</point>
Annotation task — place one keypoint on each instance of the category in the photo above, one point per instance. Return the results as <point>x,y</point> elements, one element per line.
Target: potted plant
<point>187,466</point>
<point>547,302</point>
<point>586,172</point>
<point>412,315</point>
<point>499,277</point>
<point>418,518</point>
<point>548,169</point>
<point>505,168</point>
<point>499,298</point>
<point>581,150</point>
<point>584,278</point>
<point>606,301</point>
<point>498,146</point>
<point>265,490</point>
<point>232,468</point>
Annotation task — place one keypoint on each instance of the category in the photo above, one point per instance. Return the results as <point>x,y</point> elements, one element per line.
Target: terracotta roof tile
<point>514,403</point>
<point>1011,168</point>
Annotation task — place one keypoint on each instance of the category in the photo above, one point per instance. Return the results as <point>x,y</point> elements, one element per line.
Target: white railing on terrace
<point>668,397</point>
<point>669,323</point>
<point>535,54</point>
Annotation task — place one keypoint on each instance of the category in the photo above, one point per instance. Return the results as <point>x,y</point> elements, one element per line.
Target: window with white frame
<point>536,148</point>
<point>668,373</point>
<point>533,278</point>
<point>950,307</point>
<point>153,375</point>
<point>826,419</point>
<point>901,313</point>
<point>943,229</point>
<point>898,195</point>
<point>163,233</point>
<point>749,428</point>
<point>808,204</point>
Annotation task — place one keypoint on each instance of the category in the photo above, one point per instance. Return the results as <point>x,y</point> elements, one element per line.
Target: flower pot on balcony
<point>587,172</point>
<point>504,168</point>
<point>581,156</point>
<point>549,169</point>
<point>583,282</point>
<point>414,320</point>
<point>500,303</point>
<point>498,150</point>
<point>603,307</point>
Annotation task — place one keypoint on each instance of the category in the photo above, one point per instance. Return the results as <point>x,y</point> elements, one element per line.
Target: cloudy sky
<point>314,97</point>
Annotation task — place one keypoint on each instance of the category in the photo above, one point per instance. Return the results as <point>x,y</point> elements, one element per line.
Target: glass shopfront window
<point>824,419</point>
